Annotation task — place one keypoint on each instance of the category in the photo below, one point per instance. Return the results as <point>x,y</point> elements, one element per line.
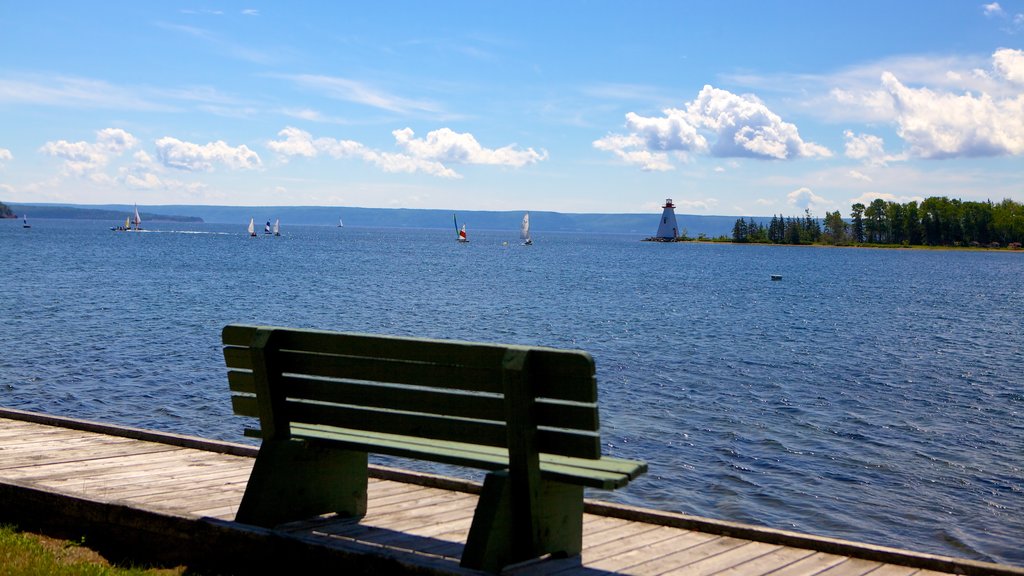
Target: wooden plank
<point>851,567</point>
<point>396,509</point>
<point>768,563</point>
<point>155,475</point>
<point>684,557</point>
<point>30,465</point>
<point>638,548</point>
<point>75,467</point>
<point>639,544</point>
<point>729,559</point>
<point>813,564</point>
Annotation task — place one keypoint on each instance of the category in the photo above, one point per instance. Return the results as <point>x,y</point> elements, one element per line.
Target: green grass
<point>31,554</point>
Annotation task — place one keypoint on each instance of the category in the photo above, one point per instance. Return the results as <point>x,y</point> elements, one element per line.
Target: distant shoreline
<point>862,246</point>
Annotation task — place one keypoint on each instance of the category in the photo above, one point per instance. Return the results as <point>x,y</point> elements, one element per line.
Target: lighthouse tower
<point>668,229</point>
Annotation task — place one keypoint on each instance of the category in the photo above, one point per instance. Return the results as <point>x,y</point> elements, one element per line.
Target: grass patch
<point>27,554</point>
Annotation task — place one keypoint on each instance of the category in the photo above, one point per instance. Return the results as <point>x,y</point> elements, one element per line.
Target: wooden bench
<point>326,399</point>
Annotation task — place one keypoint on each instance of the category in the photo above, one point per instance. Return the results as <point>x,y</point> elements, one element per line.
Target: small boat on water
<point>524,230</point>
<point>137,220</point>
<point>340,225</point>
<point>277,227</point>
<point>266,227</point>
<point>460,231</point>
<point>24,222</point>
<point>252,228</point>
<point>776,276</point>
<point>127,225</point>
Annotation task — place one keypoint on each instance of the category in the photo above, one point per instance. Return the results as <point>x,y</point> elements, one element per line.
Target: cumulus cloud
<point>87,158</point>
<point>1009,64</point>
<point>869,149</point>
<point>946,125</point>
<point>805,199</point>
<point>5,156</point>
<point>739,125</point>
<point>430,155</point>
<point>175,153</point>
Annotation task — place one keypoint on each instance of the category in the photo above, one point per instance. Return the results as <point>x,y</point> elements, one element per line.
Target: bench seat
<point>607,473</point>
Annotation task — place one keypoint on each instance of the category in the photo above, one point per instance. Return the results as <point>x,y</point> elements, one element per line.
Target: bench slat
<point>451,404</point>
<point>554,441</point>
<point>583,471</point>
<point>560,374</point>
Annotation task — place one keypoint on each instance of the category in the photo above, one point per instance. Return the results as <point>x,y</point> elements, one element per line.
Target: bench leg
<point>494,543</point>
<point>294,480</point>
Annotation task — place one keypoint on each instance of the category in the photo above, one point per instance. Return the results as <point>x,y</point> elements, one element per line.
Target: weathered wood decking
<point>139,486</point>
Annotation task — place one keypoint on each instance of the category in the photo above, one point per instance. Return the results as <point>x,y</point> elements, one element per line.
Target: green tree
<point>857,222</point>
<point>739,230</point>
<point>835,228</point>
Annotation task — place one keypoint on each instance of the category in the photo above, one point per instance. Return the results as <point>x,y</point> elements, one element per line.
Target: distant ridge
<point>112,213</point>
<point>640,224</point>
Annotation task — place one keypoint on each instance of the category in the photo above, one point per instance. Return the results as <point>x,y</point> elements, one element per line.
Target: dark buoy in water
<point>776,276</point>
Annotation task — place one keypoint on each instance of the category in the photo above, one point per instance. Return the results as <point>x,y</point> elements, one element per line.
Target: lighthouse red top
<point>668,203</point>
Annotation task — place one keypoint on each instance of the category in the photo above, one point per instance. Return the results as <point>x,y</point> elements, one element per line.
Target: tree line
<point>937,221</point>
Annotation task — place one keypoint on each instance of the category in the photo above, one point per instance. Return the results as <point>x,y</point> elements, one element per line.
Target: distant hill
<point>111,213</point>
<point>642,225</point>
<point>5,211</point>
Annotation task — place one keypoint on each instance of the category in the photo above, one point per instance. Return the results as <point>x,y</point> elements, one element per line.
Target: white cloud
<point>431,154</point>
<point>1009,64</point>
<point>362,93</point>
<point>993,9</point>
<point>447,146</point>
<point>857,175</point>
<point>869,197</point>
<point>868,148</point>
<point>5,155</point>
<point>805,199</point>
<point>87,158</point>
<point>175,153</point>
<point>742,126</point>
<point>946,125</point>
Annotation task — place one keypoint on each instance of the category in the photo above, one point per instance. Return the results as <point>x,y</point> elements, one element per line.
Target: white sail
<point>277,227</point>
<point>252,227</point>
<point>340,225</point>
<point>524,229</point>
<point>137,220</point>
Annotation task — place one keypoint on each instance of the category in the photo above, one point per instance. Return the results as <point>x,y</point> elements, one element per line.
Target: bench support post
<point>557,526</point>
<point>294,480</point>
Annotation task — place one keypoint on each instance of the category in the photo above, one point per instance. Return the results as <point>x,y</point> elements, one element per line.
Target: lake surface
<point>873,395</point>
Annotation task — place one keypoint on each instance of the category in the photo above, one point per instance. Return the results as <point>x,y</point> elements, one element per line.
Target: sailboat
<point>252,228</point>
<point>524,230</point>
<point>137,220</point>
<point>460,231</point>
<point>277,227</point>
<point>266,227</point>
<point>340,225</point>
<point>24,221</point>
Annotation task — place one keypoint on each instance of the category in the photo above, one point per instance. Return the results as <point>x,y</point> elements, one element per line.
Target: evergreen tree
<point>857,223</point>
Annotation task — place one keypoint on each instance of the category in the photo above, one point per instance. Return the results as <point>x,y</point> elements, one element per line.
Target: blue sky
<point>740,108</point>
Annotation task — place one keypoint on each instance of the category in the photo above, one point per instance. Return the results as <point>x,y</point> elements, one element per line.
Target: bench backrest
<point>435,389</point>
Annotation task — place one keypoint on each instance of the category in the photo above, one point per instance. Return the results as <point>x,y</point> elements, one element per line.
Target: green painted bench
<point>324,400</point>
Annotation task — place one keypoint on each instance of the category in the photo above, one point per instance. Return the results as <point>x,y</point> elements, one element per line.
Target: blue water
<point>873,395</point>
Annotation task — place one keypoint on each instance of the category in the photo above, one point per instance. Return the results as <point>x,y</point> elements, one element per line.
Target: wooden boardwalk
<point>419,521</point>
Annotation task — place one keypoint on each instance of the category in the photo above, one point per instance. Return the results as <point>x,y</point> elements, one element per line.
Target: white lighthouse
<point>668,229</point>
